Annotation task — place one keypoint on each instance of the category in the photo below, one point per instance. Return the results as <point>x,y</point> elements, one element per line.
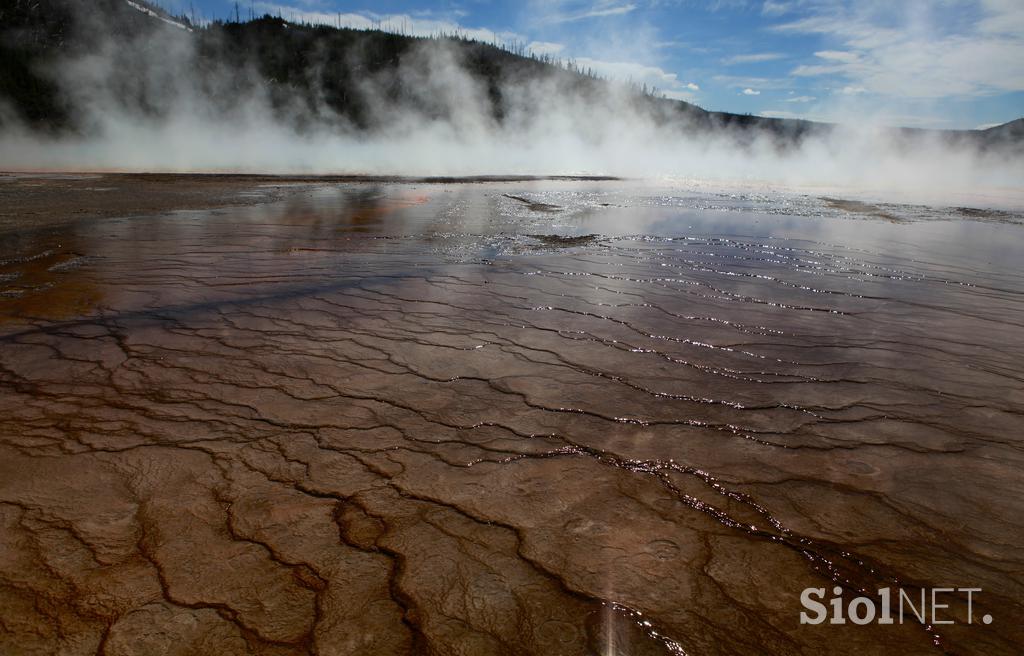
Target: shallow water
<point>530,417</point>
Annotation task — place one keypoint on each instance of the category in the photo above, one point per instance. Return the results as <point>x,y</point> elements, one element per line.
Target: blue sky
<point>926,63</point>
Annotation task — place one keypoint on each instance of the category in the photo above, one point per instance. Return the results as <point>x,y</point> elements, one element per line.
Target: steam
<point>224,121</point>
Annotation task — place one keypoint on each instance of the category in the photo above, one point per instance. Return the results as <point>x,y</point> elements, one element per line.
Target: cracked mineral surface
<point>532,417</point>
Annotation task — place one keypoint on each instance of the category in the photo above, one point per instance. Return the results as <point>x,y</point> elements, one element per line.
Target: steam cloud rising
<point>143,106</point>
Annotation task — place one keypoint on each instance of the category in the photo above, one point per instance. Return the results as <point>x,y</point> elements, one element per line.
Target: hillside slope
<point>62,63</point>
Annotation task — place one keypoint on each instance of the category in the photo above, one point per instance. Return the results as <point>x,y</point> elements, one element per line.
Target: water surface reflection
<point>547,418</point>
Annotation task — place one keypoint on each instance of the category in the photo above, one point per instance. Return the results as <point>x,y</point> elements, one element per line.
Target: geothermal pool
<point>527,417</point>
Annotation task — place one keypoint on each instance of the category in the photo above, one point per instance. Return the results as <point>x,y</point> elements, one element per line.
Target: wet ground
<point>530,417</point>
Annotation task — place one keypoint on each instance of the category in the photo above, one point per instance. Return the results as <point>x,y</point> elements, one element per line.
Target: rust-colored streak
<point>389,419</point>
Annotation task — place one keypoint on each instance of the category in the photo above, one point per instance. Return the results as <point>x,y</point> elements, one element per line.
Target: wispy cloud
<point>753,58</point>
<point>805,70</point>
<point>751,92</point>
<point>779,113</point>
<point>545,48</point>
<point>838,55</point>
<point>572,11</point>
<point>726,5</point>
<point>782,7</point>
<point>918,54</point>
<point>776,7</point>
<point>653,76</point>
<point>800,99</point>
<point>741,81</point>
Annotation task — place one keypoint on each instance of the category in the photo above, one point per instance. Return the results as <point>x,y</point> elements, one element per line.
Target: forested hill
<point>55,54</point>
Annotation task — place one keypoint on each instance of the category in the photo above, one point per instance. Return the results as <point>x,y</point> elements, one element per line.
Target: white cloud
<point>741,81</point>
<point>852,91</point>
<point>626,71</point>
<point>545,48</point>
<point>608,11</point>
<point>685,96</point>
<point>777,8</point>
<point>686,93</point>
<point>569,11</point>
<point>653,76</point>
<point>752,58</point>
<point>897,53</point>
<point>838,55</point>
<point>800,99</point>
<point>778,113</point>
<point>751,92</point>
<point>805,70</point>
<point>1003,17</point>
<point>727,5</point>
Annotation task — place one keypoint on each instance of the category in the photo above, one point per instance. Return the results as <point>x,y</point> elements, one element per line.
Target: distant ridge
<point>315,72</point>
<point>1011,130</point>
